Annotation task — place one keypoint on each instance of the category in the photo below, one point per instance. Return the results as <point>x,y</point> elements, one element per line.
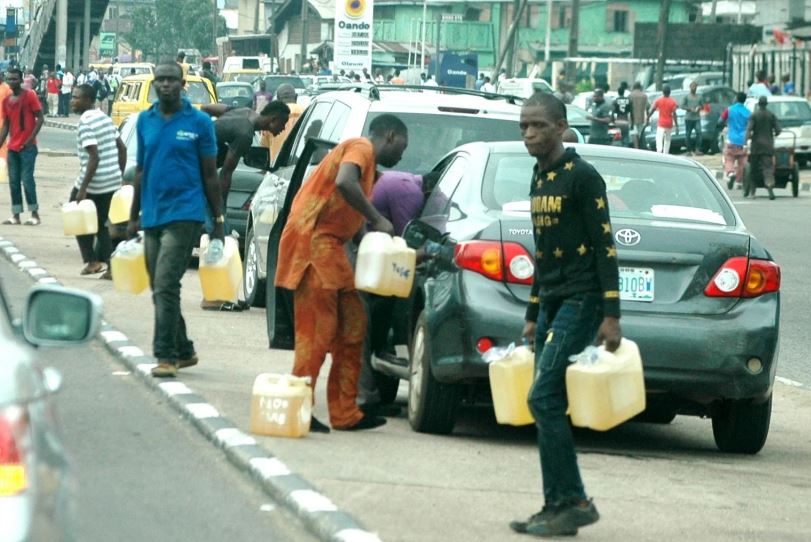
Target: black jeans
<point>64,103</point>
<point>565,327</point>
<point>384,313</point>
<point>168,249</point>
<point>689,126</point>
<point>103,245</point>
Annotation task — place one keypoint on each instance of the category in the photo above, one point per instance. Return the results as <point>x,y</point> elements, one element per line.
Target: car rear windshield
<point>273,82</point>
<point>635,189</point>
<point>791,112</point>
<point>431,136</point>
<point>196,92</point>
<point>234,92</point>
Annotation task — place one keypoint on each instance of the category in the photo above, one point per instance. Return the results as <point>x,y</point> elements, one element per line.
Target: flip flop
<point>12,221</point>
<point>32,222</point>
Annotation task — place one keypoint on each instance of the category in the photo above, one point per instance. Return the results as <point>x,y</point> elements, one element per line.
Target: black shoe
<point>543,516</point>
<point>730,180</point>
<point>771,193</point>
<point>378,409</point>
<point>318,427</point>
<point>367,422</point>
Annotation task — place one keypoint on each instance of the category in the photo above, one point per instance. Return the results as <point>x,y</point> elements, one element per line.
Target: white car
<point>524,87</point>
<point>794,117</point>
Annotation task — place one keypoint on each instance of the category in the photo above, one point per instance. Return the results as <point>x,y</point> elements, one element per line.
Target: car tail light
<point>484,344</point>
<point>497,261</point>
<point>705,110</point>
<point>742,277</point>
<point>14,439</point>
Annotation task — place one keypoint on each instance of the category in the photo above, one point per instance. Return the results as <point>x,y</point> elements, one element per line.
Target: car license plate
<point>636,284</point>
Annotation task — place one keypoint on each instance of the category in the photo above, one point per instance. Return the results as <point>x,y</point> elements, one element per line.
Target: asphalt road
<point>56,140</point>
<point>143,473</point>
<point>650,482</point>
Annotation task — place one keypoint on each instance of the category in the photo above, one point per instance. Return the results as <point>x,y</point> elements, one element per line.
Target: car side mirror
<point>258,157</point>
<point>56,316</point>
<point>417,232</point>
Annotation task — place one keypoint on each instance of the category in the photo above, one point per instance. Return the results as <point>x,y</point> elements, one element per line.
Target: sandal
<point>12,221</point>
<point>32,222</point>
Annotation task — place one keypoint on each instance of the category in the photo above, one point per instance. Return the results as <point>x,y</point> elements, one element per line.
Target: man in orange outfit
<point>331,207</point>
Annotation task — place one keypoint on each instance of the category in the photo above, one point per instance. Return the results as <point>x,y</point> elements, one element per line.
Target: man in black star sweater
<point>574,298</point>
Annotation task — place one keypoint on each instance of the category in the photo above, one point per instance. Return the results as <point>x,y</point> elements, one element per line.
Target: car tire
<point>431,404</point>
<point>741,427</point>
<point>253,287</point>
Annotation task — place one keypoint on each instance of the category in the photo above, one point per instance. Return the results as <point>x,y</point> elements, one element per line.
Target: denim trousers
<point>689,127</point>
<point>96,247</point>
<point>167,249</point>
<point>21,176</point>
<point>564,328</point>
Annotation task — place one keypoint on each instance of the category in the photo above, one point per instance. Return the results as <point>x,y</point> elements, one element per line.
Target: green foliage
<point>584,85</point>
<point>170,25</point>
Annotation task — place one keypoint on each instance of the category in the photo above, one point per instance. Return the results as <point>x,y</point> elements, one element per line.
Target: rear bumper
<point>695,358</point>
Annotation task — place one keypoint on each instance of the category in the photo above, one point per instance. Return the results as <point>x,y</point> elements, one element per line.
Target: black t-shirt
<point>234,132</point>
<point>622,107</point>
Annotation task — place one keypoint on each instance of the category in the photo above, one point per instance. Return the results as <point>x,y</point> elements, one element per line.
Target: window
<point>561,16</point>
<point>336,121</point>
<point>438,203</point>
<point>311,128</point>
<point>620,21</point>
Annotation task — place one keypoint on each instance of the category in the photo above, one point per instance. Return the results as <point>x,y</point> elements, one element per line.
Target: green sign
<point>107,44</point>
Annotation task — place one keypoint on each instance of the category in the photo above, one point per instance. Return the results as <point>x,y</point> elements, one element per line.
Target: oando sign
<point>353,35</point>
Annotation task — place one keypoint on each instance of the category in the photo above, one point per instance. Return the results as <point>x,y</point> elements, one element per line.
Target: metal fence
<point>746,61</point>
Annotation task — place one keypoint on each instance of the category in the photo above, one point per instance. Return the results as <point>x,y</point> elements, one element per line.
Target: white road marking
<point>789,382</point>
<point>25,264</point>
<point>269,467</point>
<point>312,501</point>
<point>47,280</point>
<point>16,258</point>
<point>175,388</point>
<point>37,272</point>
<point>356,535</point>
<point>11,249</point>
<point>146,368</point>
<point>111,336</point>
<point>267,508</point>
<point>130,351</point>
<point>202,410</point>
<point>121,373</point>
<point>231,436</point>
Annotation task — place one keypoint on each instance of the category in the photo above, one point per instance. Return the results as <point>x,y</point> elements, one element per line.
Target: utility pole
<point>712,10</point>
<point>548,44</point>
<point>664,15</point>
<point>512,43</point>
<point>509,40</point>
<point>574,37</point>
<point>215,21</point>
<point>304,35</point>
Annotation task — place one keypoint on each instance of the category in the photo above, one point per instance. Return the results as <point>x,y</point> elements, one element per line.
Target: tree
<point>170,25</point>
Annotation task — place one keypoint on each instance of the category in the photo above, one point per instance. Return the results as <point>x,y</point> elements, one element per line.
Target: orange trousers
<point>331,321</point>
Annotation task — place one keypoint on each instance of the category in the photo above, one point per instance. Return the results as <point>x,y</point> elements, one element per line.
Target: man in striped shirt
<point>102,157</point>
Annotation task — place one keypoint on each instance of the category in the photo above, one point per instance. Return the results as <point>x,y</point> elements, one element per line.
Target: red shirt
<point>53,85</point>
<point>667,107</point>
<point>20,112</point>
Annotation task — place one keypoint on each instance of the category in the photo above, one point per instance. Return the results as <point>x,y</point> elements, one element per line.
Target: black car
<point>235,94</point>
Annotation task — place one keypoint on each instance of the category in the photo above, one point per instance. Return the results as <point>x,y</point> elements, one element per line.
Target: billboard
<point>107,44</point>
<point>353,35</point>
<point>690,41</point>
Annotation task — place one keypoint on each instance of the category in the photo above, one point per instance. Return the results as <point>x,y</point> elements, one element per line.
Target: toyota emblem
<point>628,237</point>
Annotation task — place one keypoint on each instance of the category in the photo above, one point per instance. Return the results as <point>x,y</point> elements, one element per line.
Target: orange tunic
<point>5,92</point>
<point>321,221</point>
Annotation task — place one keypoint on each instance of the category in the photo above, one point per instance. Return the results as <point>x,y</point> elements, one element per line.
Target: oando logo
<point>355,8</point>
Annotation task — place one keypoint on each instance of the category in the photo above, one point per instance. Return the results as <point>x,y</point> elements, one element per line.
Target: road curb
<point>316,511</point>
<point>62,125</point>
<point>805,186</point>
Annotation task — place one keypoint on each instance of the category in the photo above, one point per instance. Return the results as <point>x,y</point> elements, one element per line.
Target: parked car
<point>699,293</point>
<point>578,119</point>
<point>242,76</point>
<point>683,80</point>
<point>235,94</point>
<point>36,485</point>
<point>272,83</point>
<point>794,116</point>
<point>716,98</point>
<point>244,182</point>
<point>137,93</point>
<point>437,121</point>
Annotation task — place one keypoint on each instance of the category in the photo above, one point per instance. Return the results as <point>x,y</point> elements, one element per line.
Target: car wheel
<point>252,286</point>
<point>431,404</point>
<point>795,181</point>
<point>741,427</point>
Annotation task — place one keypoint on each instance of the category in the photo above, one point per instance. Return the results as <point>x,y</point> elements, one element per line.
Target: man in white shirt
<point>488,86</point>
<point>65,91</point>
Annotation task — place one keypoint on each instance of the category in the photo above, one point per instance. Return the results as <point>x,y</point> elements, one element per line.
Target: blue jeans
<point>21,175</point>
<point>565,327</point>
<point>689,127</point>
<point>168,249</point>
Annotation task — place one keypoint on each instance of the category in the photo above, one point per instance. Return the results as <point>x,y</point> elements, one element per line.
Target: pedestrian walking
<point>622,113</point>
<point>30,81</point>
<point>574,298</point>
<point>328,211</point>
<point>692,104</point>
<point>736,117</point>
<point>261,97</point>
<point>175,177</point>
<point>5,92</point>
<point>600,118</point>
<point>287,95</point>
<point>397,80</point>
<point>102,159</point>
<point>668,121</point>
<point>761,86</point>
<point>761,129</point>
<point>23,118</point>
<point>53,86</point>
<point>208,73</point>
<point>66,91</point>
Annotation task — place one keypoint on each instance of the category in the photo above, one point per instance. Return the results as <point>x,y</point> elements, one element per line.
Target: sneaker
<point>164,369</point>
<point>730,180</point>
<point>543,516</point>
<point>187,362</point>
<point>560,521</point>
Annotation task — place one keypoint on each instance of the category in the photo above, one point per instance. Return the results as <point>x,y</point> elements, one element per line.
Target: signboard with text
<point>107,44</point>
<point>353,35</point>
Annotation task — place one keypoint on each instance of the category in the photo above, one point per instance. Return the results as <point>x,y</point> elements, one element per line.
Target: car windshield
<point>196,92</point>
<point>272,82</point>
<point>244,77</point>
<point>793,112</point>
<point>234,91</point>
<point>636,189</point>
<point>433,136</point>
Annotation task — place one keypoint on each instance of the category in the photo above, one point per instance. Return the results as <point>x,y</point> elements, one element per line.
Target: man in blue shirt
<point>736,117</point>
<point>176,174</point>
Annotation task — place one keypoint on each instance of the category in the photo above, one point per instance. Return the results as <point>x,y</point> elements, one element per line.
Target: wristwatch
<point>220,219</point>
